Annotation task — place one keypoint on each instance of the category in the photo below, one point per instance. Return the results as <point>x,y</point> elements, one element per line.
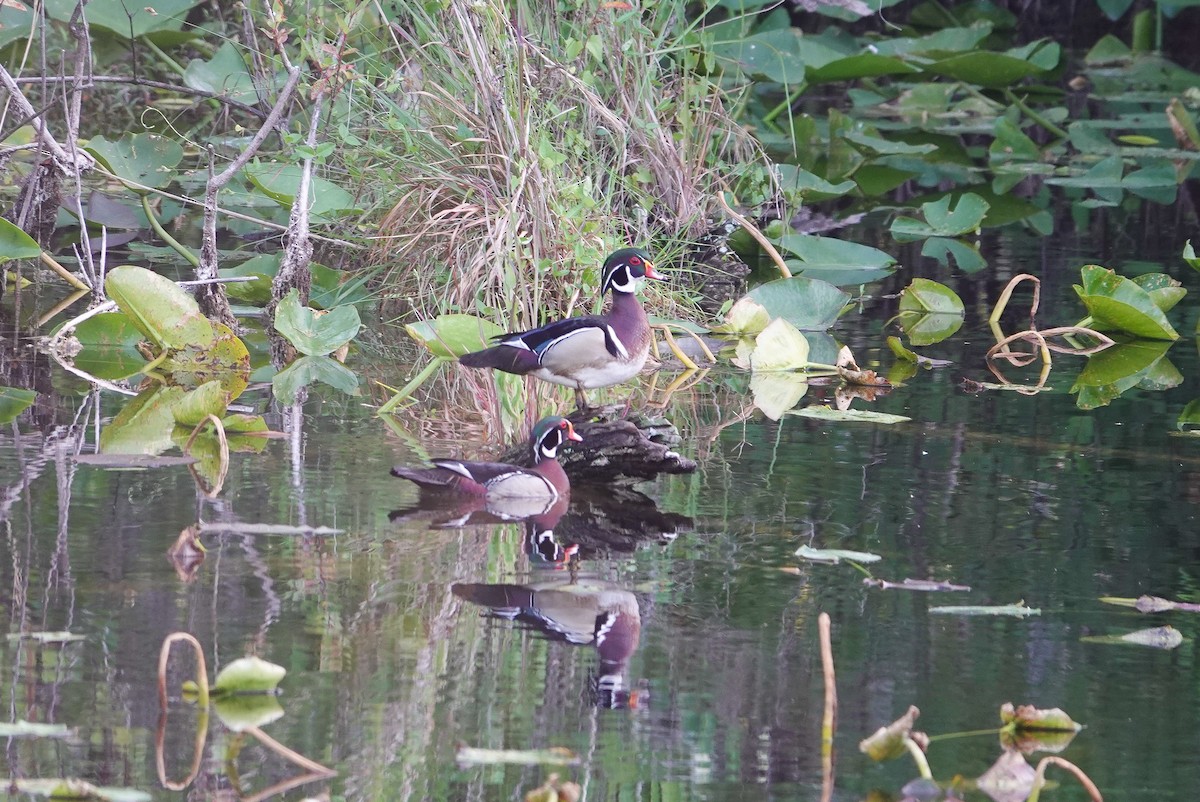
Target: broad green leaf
<point>860,65</point>
<point>451,336</point>
<point>161,310</point>
<point>775,392</point>
<point>808,186</point>
<point>308,369</point>
<point>780,346</point>
<point>1156,181</point>
<point>1116,302</point>
<point>967,257</point>
<point>1114,10</point>
<point>223,74</point>
<point>16,244</point>
<point>139,160</point>
<point>824,412</point>
<point>144,424</point>
<point>929,312</point>
<point>312,333</point>
<point>774,55</point>
<point>161,20</point>
<point>942,220</point>
<point>248,675</point>
<point>14,401</point>
<point>808,304</point>
<point>1190,417</point>
<point>281,182</point>
<point>1121,367</point>
<point>1011,144</point>
<point>838,262</point>
<point>834,556</point>
<point>991,70</point>
<point>60,789</point>
<point>1163,290</point>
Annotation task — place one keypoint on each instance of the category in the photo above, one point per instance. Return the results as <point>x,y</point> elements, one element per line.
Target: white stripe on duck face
<point>457,467</point>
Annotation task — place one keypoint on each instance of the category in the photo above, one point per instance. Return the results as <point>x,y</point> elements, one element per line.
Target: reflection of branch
<point>289,754</point>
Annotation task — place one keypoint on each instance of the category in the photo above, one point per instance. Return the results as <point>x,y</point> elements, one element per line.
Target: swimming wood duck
<point>588,351</point>
<point>498,480</point>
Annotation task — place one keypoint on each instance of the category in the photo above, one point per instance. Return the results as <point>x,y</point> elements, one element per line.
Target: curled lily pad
<point>746,316</point>
<point>1116,302</point>
<point>780,346</point>
<point>888,742</point>
<point>1028,717</point>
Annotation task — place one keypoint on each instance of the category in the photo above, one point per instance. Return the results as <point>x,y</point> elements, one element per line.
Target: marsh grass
<point>532,139</point>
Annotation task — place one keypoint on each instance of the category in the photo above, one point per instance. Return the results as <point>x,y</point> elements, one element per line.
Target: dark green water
<point>389,672</point>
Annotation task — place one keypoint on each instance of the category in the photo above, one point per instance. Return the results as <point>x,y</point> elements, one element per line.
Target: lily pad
<point>14,401</point>
<point>451,336</point>
<point>312,333</point>
<point>15,243</point>
<point>746,316</point>
<point>836,261</point>
<point>1116,302</point>
<point>280,182</point>
<point>248,675</point>
<point>780,346</point>
<point>941,220</point>
<point>140,160</point>
<point>224,74</point>
<point>225,360</point>
<point>930,312</point>
<point>144,424</point>
<point>808,304</point>
<point>247,711</point>
<point>163,312</point>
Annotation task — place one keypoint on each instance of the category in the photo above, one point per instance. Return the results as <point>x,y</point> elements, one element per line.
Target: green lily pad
<point>1116,302</point>
<point>930,312</point>
<point>746,316</point>
<point>16,244</point>
<point>1108,374</point>
<point>14,401</point>
<point>139,160</point>
<point>223,74</point>
<point>198,404</point>
<point>451,336</point>
<point>806,303</point>
<point>1189,255</point>
<point>780,346</point>
<point>836,261</point>
<point>248,675</point>
<point>280,182</point>
<point>315,334</point>
<point>774,55</point>
<point>809,186</point>
<point>1165,291</point>
<point>308,369</point>
<point>941,220</point>
<point>991,70</point>
<point>1189,418</point>
<point>163,312</point>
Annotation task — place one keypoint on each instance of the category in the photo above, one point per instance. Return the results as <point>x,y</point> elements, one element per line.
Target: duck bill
<point>571,435</point>
<point>651,272</point>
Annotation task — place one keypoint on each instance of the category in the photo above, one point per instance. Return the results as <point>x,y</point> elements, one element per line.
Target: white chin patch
<point>549,451</point>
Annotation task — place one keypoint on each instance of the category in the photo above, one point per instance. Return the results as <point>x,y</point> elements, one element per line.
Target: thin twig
<point>759,237</point>
<point>69,166</point>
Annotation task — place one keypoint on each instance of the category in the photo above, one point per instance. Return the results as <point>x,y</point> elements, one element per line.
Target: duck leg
<point>581,403</point>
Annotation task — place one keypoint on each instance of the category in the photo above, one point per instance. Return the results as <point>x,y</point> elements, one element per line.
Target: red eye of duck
<point>635,260</point>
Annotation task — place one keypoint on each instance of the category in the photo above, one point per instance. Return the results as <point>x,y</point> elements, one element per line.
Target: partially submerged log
<point>617,449</point>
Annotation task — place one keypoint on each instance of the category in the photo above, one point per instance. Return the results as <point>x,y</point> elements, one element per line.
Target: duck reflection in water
<point>578,611</point>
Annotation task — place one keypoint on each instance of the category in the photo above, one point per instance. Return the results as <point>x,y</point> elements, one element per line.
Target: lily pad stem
<point>918,757</point>
<point>416,381</point>
<point>786,103</point>
<point>178,246</point>
<point>158,51</point>
<point>67,275</point>
<point>758,236</point>
<point>1035,116</point>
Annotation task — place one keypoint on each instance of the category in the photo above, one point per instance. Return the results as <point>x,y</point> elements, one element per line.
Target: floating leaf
<point>836,261</point>
<point>312,333</point>
<point>14,401</point>
<point>142,161</point>
<point>941,220</point>
<point>451,336</point>
<point>72,789</point>
<point>834,556</point>
<point>856,415</point>
<point>780,346</point>
<point>308,369</point>
<point>47,637</point>
<point>1028,717</point>
<point>225,360</point>
<point>808,186</point>
<point>281,182</point>
<point>1189,255</point>
<point>144,424</point>
<point>248,675</point>
<point>967,257</point>
<point>1121,367</point>
<point>16,244</point>
<point>930,312</point>
<point>161,310</point>
<point>556,755</point>
<point>806,303</point>
<point>1018,610</point>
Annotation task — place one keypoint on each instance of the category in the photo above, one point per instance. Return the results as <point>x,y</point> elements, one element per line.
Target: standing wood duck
<point>588,351</point>
<point>546,480</point>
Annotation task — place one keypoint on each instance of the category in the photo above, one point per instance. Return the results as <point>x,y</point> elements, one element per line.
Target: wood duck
<point>496,481</point>
<point>588,351</point>
<point>580,612</point>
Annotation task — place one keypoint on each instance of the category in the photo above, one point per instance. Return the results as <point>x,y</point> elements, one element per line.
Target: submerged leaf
<point>887,743</point>
<point>835,556</point>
